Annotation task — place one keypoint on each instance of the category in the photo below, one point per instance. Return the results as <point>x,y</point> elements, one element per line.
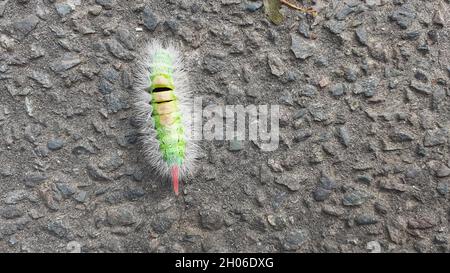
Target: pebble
<point>365,219</point>
<point>253,6</point>
<point>151,21</point>
<point>55,144</point>
<point>443,188</point>
<point>424,222</point>
<point>443,171</point>
<point>67,62</point>
<point>435,137</point>
<point>162,223</point>
<point>355,198</point>
<point>95,10</point>
<point>10,212</point>
<point>118,50</point>
<point>211,219</point>
<point>308,90</point>
<point>344,136</point>
<point>73,247</point>
<point>63,9</point>
<point>122,215</point>
<point>337,89</point>
<point>420,87</point>
<point>293,240</point>
<point>106,4</point>
<point>373,247</point>
<point>402,136</point>
<point>42,78</point>
<point>292,182</point>
<point>301,47</point>
<point>277,66</point>
<point>58,228</point>
<point>27,24</point>
<point>404,15</point>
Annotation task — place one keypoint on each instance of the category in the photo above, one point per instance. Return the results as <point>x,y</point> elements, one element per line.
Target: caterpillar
<point>163,109</point>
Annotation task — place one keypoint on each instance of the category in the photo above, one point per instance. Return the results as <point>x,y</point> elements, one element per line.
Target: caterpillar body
<point>163,105</point>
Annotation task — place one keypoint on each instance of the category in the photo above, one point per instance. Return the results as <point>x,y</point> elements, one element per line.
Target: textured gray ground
<point>363,162</point>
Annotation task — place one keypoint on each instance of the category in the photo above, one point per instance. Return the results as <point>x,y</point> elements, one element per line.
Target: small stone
<point>335,27</point>
<point>324,82</point>
<point>106,4</point>
<point>14,197</point>
<point>66,189</point>
<point>293,240</point>
<point>337,90</point>
<point>402,136</point>
<point>27,24</point>
<point>301,47</point>
<point>404,15</point>
<point>321,194</point>
<point>126,38</point>
<point>304,28</point>
<point>162,223</point>
<point>41,78</point>
<point>370,86</point>
<point>435,137</point>
<point>355,198</point>
<point>118,50</point>
<point>292,182</point>
<point>96,173</point>
<point>122,215</point>
<point>333,211</point>
<point>34,179</point>
<point>10,212</point>
<point>443,188</point>
<point>373,247</point>
<point>80,196</point>
<point>351,74</point>
<point>151,21</point>
<point>345,11</point>
<point>424,222</point>
<point>365,219</point>
<point>55,144</point>
<point>302,135</point>
<point>441,239</point>
<point>366,179</point>
<point>277,66</point>
<point>95,10</point>
<point>253,6</point>
<point>344,136</point>
<point>63,9</point>
<point>58,228</point>
<point>443,171</point>
<point>67,62</point>
<point>438,18</point>
<point>393,186</point>
<point>381,208</point>
<point>73,247</point>
<point>213,64</point>
<point>378,51</point>
<point>308,90</point>
<point>266,175</point>
<point>211,219</point>
<point>421,87</point>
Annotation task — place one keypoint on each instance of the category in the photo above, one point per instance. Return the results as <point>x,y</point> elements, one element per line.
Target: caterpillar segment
<point>163,105</point>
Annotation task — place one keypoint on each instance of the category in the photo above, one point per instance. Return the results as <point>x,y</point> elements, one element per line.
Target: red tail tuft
<point>175,178</point>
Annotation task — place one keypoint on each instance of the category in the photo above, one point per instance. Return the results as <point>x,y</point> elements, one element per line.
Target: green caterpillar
<point>163,107</point>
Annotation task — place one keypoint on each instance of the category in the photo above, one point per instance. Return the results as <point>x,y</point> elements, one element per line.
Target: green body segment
<point>166,111</point>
